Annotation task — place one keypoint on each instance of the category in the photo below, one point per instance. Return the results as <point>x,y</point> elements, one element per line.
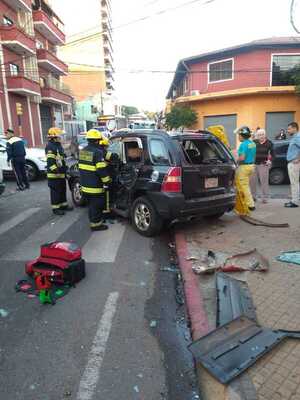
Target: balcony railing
<point>50,62</point>
<point>17,40</point>
<point>49,27</point>
<point>23,85</point>
<point>24,5</point>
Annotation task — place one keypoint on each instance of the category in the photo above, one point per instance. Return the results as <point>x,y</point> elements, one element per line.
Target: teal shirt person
<point>248,149</point>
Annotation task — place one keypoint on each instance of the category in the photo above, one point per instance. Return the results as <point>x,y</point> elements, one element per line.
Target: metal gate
<point>276,121</point>
<point>228,121</point>
<point>46,120</point>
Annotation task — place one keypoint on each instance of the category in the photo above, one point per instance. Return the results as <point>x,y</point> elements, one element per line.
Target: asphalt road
<point>118,335</point>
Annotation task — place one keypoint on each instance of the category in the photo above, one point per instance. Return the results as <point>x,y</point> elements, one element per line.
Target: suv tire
<point>77,195</point>
<point>145,218</point>
<point>277,176</point>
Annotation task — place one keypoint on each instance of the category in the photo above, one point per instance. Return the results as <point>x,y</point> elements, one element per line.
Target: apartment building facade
<point>89,55</point>
<point>250,84</point>
<point>32,95</point>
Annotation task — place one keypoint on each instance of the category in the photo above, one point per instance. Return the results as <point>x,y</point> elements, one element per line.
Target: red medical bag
<point>60,262</point>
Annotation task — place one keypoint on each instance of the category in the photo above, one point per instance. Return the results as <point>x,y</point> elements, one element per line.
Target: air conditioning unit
<point>195,92</point>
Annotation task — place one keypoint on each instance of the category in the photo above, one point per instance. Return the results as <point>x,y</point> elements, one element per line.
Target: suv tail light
<point>172,181</point>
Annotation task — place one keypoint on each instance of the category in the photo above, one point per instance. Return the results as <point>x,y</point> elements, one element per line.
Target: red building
<point>32,96</point>
<point>250,84</point>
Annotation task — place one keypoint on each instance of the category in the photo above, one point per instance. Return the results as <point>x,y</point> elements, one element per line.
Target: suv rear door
<point>207,166</point>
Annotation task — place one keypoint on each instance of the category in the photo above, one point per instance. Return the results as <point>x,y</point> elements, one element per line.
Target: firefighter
<point>93,177</point>
<point>110,158</point>
<point>56,172</point>
<point>246,165</point>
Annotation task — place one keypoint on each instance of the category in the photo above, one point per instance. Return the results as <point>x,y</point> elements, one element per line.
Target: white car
<point>36,162</point>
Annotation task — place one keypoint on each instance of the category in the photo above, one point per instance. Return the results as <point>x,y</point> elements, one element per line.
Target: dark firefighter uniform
<point>93,177</point>
<point>56,173</point>
<point>110,158</point>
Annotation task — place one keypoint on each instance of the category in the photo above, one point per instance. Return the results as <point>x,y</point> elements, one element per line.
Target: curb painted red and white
<point>193,295</point>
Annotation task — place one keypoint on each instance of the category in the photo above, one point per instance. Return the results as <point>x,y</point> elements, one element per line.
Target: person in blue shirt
<point>246,166</point>
<point>293,159</point>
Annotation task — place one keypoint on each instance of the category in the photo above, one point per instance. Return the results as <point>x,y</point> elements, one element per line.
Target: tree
<point>129,110</point>
<point>181,117</point>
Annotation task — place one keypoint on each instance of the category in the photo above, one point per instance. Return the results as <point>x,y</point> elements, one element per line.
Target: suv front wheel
<point>145,218</point>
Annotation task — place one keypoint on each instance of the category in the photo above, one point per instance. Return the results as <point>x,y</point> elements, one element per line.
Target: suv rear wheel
<point>145,218</point>
<point>32,171</point>
<point>77,195</point>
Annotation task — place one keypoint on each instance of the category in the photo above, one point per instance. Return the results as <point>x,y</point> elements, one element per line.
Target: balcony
<point>51,63</point>
<point>108,60</point>
<point>23,5</point>
<point>53,91</point>
<point>17,41</point>
<point>47,27</point>
<point>23,86</point>
<point>107,45</point>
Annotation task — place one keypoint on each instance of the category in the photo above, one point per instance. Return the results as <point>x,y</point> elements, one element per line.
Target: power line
<point>292,9</point>
<point>144,18</point>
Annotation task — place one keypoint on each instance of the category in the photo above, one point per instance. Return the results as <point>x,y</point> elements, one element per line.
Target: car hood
<point>35,152</point>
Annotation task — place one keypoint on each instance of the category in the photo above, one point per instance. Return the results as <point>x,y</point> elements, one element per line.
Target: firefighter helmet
<point>54,132</point>
<point>244,131</point>
<point>94,134</point>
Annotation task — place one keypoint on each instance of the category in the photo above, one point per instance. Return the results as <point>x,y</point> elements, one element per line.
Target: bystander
<point>293,159</point>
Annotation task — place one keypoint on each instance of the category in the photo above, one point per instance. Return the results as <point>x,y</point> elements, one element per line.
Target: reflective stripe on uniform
<point>96,224</point>
<point>92,190</point>
<point>86,167</point>
<point>51,155</point>
<point>56,206</point>
<point>56,176</point>
<point>107,208</point>
<point>108,156</point>
<point>102,164</point>
<point>106,179</point>
<point>53,167</point>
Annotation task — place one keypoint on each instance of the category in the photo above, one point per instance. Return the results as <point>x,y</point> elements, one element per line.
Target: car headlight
<point>43,159</point>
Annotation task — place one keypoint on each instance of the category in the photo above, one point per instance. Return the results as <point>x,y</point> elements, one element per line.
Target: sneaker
<point>252,208</point>
<point>290,204</point>
<point>58,211</point>
<point>99,228</point>
<point>20,188</point>
<point>67,208</point>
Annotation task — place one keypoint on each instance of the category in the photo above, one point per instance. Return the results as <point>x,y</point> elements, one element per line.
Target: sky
<point>160,41</point>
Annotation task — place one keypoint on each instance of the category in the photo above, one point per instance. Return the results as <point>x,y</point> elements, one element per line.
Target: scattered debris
<point>232,348</point>
<point>32,387</point>
<point>67,393</point>
<point>153,324</point>
<point>233,299</point>
<point>257,222</point>
<point>3,313</point>
<point>241,262</point>
<point>140,376</point>
<point>136,389</point>
<point>208,263</point>
<point>192,259</point>
<point>291,257</point>
<point>170,269</point>
<point>143,284</point>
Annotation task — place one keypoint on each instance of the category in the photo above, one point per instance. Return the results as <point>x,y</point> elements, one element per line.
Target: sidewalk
<point>276,295</point>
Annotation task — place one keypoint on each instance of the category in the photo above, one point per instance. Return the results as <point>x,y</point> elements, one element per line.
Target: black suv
<point>163,177</point>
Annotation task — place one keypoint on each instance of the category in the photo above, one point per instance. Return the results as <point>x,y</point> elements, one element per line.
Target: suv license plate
<point>211,183</point>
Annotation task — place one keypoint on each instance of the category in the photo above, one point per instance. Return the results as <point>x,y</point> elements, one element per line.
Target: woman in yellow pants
<point>246,161</point>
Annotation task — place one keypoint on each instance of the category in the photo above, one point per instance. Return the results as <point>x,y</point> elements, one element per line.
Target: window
<point>284,68</point>
<point>116,147</point>
<point>7,21</point>
<point>204,152</point>
<point>133,152</point>
<point>39,44</point>
<point>14,69</point>
<point>220,71</point>
<point>159,153</point>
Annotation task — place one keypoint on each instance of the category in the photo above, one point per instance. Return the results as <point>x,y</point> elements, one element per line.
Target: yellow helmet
<point>54,132</point>
<point>94,134</point>
<point>104,141</point>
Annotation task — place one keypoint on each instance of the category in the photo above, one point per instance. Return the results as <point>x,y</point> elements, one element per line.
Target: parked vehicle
<point>165,177</point>
<point>36,161</point>
<point>278,172</point>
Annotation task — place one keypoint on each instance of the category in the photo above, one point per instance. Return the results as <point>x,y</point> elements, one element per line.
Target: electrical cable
<point>144,18</point>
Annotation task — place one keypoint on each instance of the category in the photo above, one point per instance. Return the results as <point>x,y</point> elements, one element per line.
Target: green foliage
<point>181,117</point>
<point>129,110</point>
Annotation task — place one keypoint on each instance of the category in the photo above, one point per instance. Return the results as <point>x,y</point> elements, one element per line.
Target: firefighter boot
<point>99,228</point>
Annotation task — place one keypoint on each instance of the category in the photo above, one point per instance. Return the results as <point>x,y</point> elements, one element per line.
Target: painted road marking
<point>11,223</point>
<point>29,248</point>
<point>91,373</point>
<point>103,246</point>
